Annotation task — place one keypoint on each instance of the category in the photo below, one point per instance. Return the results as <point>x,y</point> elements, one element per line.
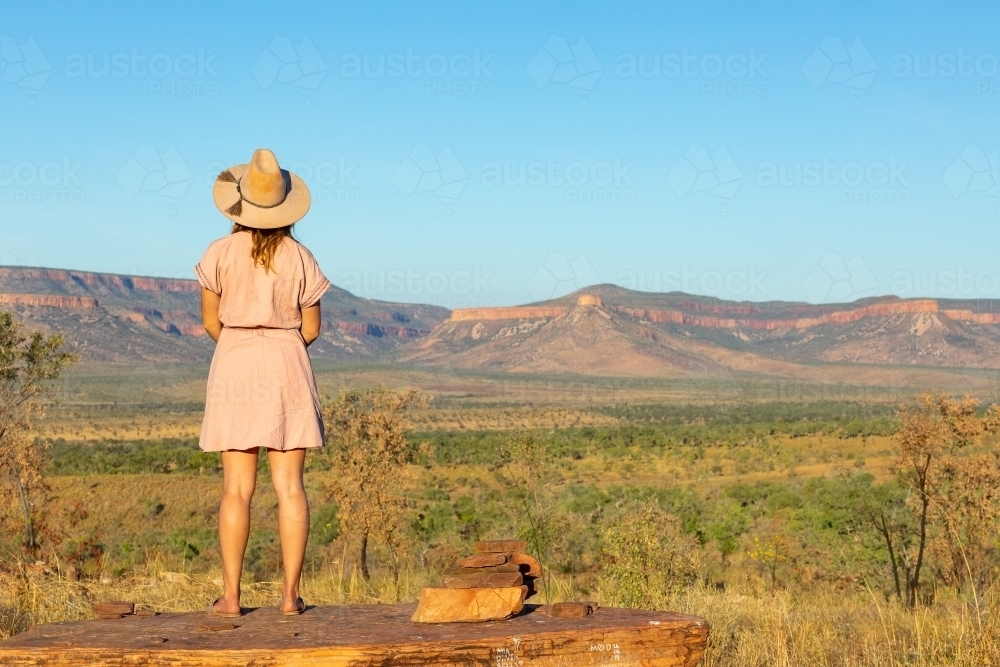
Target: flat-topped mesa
<point>772,324</point>
<point>49,300</point>
<point>91,279</point>
<point>740,316</point>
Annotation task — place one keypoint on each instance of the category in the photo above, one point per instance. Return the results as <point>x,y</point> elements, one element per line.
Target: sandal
<point>211,610</point>
<point>300,606</point>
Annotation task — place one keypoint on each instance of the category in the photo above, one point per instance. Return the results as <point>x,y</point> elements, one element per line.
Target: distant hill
<point>111,317</point>
<point>601,330</point>
<point>610,330</point>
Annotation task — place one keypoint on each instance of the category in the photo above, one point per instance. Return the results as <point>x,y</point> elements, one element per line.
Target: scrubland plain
<point>737,500</point>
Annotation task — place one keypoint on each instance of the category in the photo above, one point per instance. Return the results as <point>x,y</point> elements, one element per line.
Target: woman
<point>260,304</point>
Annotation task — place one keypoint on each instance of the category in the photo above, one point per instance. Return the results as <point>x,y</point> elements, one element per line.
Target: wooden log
<point>468,605</point>
<point>483,560</point>
<point>500,546</point>
<point>352,635</point>
<point>115,609</point>
<point>483,580</point>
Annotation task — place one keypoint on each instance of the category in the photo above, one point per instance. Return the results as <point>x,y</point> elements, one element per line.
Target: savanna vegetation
<point>819,533</point>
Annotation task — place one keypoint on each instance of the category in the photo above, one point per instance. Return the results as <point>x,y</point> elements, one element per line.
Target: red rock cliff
<point>715,322</point>
<point>145,284</point>
<point>48,300</point>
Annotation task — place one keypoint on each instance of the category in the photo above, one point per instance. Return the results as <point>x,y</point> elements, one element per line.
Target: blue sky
<point>780,151</point>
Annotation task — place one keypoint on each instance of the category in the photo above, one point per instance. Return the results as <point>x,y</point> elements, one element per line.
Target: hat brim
<point>288,212</point>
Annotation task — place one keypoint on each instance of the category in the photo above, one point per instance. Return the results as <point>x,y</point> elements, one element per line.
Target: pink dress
<point>261,388</point>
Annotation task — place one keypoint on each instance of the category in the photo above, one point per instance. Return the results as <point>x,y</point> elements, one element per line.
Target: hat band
<point>237,208</point>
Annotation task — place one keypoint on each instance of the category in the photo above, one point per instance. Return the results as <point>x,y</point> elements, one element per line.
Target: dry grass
<point>750,627</point>
<point>44,594</point>
<point>828,627</point>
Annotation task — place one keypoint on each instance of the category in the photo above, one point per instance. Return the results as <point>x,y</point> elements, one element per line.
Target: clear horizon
<point>497,156</point>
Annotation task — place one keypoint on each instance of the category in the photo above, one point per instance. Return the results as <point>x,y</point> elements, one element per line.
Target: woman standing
<point>260,304</point>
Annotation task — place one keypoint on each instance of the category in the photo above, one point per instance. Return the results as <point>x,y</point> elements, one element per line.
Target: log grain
<point>365,635</point>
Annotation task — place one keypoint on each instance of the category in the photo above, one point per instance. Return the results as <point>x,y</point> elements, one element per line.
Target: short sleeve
<point>314,283</point>
<point>207,269</point>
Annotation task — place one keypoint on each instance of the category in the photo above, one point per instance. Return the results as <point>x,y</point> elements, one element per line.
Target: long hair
<point>265,243</point>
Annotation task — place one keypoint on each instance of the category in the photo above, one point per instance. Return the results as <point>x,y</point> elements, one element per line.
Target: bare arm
<point>311,322</point>
<point>210,314</point>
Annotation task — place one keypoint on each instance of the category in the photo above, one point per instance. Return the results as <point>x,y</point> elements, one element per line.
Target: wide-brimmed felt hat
<point>261,194</point>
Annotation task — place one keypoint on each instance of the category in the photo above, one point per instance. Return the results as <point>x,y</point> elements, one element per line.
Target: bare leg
<point>239,478</point>
<point>293,518</point>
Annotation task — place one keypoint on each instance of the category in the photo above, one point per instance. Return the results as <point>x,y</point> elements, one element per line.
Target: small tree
<point>949,489</point>
<point>368,449</point>
<point>524,463</point>
<point>645,558</point>
<point>28,366</point>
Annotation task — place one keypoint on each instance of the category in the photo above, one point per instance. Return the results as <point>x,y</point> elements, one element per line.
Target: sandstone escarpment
<point>69,302</point>
<point>91,279</point>
<point>109,317</point>
<point>371,329</point>
<point>769,324</point>
<point>741,316</point>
